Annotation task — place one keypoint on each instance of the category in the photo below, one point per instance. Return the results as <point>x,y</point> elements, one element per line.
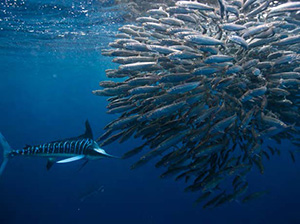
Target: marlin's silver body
<point>72,149</point>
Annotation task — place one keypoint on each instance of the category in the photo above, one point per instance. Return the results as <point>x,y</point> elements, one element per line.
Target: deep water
<point>46,80</point>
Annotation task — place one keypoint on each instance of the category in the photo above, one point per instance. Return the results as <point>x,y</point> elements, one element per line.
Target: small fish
<point>253,93</point>
<point>133,151</point>
<point>211,183</point>
<point>146,19</point>
<point>161,49</point>
<point>234,69</point>
<point>206,70</point>
<point>159,12</point>
<point>256,30</point>
<point>166,110</point>
<point>215,200</point>
<point>292,156</point>
<point>194,5</point>
<point>144,89</point>
<point>186,17</point>
<point>182,88</point>
<point>258,162</point>
<point>223,124</point>
<point>137,66</point>
<point>288,40</point>
<point>233,27</point>
<point>246,120</point>
<point>203,40</point>
<point>172,21</point>
<point>272,121</point>
<point>218,59</point>
<point>173,171</point>
<point>239,40</point>
<point>247,3</point>
<point>202,197</point>
<point>285,7</point>
<point>156,26</point>
<point>253,196</point>
<point>240,191</point>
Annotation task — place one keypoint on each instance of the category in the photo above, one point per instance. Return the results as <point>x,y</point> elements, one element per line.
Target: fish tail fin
<point>6,150</point>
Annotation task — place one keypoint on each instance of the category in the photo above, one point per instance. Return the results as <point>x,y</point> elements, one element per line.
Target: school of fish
<point>210,89</point>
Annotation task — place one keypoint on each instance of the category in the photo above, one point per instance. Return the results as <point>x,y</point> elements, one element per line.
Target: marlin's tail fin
<point>6,150</point>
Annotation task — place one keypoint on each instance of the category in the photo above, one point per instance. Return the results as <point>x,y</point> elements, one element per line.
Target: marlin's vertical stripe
<point>59,147</point>
<point>81,148</point>
<point>66,149</point>
<point>78,147</point>
<point>56,148</point>
<point>52,148</point>
<point>64,146</point>
<point>70,149</point>
<point>75,149</point>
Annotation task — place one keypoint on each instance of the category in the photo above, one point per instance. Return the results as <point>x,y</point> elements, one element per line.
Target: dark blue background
<point>46,95</point>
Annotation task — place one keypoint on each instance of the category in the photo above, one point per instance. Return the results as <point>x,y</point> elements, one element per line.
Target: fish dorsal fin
<point>87,134</point>
<point>88,131</point>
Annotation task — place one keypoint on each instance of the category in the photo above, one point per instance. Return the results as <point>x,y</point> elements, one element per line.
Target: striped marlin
<point>73,149</point>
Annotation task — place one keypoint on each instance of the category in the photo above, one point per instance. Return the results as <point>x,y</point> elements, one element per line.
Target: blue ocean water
<point>50,61</point>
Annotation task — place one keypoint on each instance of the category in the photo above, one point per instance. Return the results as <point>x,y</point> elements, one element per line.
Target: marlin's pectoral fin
<point>72,159</point>
<point>50,163</point>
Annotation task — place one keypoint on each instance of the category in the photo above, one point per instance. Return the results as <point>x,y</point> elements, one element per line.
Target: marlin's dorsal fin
<point>87,134</point>
<point>88,131</point>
